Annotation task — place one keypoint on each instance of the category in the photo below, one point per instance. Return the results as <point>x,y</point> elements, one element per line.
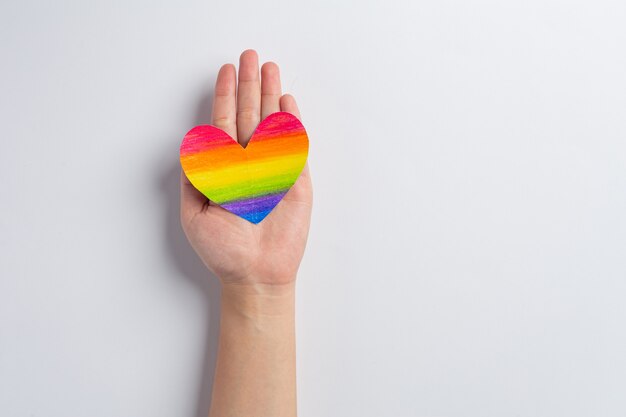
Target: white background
<point>468,249</point>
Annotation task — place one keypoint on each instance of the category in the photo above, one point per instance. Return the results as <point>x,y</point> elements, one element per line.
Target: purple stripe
<point>257,204</point>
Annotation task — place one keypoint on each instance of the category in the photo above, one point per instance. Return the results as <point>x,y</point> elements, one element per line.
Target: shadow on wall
<point>189,264</point>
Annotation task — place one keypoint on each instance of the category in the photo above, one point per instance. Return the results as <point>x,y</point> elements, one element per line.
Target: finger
<point>270,89</point>
<point>224,101</point>
<point>288,104</point>
<point>191,200</point>
<point>248,96</point>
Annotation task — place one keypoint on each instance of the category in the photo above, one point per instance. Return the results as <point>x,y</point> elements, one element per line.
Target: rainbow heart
<point>250,181</point>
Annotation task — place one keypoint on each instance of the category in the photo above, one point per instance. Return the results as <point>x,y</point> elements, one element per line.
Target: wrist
<point>257,300</point>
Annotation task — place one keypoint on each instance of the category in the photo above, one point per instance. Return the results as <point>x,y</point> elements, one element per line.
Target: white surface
<point>467,253</point>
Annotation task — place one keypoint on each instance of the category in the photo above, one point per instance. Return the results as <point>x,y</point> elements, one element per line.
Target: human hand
<point>236,251</point>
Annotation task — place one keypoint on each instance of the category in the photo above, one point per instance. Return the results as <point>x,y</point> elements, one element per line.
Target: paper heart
<point>250,181</point>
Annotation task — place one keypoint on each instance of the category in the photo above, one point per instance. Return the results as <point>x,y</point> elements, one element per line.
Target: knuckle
<point>248,114</point>
<point>223,121</point>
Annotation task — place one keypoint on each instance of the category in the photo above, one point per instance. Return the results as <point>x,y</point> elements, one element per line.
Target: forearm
<point>255,372</point>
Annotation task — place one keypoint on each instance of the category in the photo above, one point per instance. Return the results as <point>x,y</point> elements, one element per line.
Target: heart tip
<point>255,218</point>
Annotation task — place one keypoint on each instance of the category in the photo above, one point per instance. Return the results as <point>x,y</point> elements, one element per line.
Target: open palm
<point>237,251</point>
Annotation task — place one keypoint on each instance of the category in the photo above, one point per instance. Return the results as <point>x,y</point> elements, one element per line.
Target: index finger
<point>224,101</point>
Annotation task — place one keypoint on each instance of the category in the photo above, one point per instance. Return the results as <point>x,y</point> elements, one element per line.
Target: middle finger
<point>248,96</point>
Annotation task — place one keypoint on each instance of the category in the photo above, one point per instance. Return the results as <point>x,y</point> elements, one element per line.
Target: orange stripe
<point>228,155</point>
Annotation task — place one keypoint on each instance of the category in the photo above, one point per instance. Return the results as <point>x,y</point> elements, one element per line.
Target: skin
<point>256,264</point>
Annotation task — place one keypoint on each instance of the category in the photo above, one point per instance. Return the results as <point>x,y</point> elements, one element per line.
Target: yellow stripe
<point>282,171</point>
